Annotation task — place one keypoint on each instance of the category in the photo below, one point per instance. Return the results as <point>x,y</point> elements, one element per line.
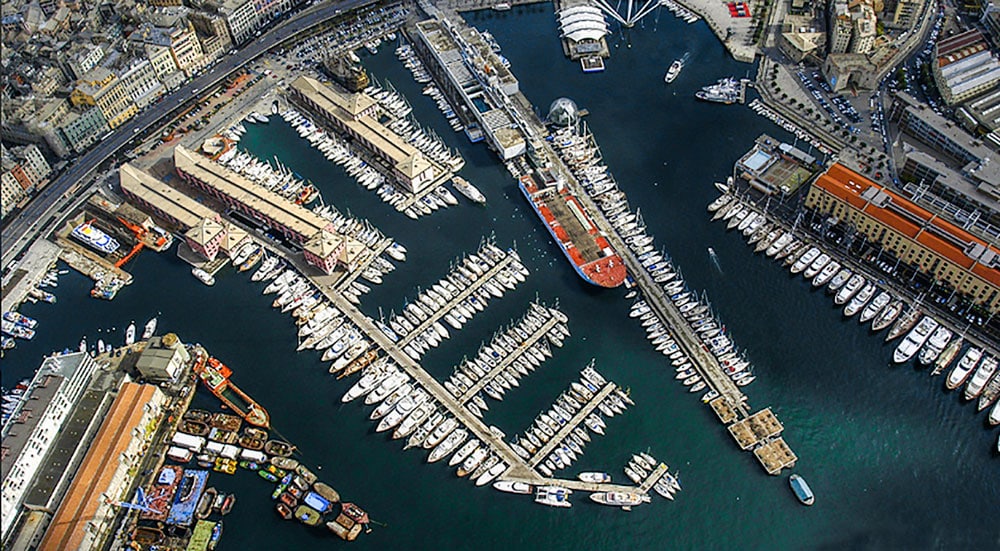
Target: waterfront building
<point>80,128</point>
<point>242,19</point>
<point>905,15</point>
<point>965,67</point>
<point>839,32</point>
<point>325,250</point>
<point>213,35</point>
<point>163,201</point>
<point>357,115</point>
<point>234,238</point>
<point>206,238</point>
<point>933,246</point>
<point>141,84</point>
<point>11,193</point>
<point>85,517</point>
<point>920,121</point>
<point>27,166</point>
<point>179,39</point>
<point>34,425</point>
<point>845,70</point>
<point>163,359</point>
<point>80,59</point>
<point>799,37</point>
<point>295,222</point>
<point>474,79</point>
<point>990,20</point>
<point>162,60</point>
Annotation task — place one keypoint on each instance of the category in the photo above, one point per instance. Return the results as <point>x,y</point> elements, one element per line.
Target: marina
<point>690,437</point>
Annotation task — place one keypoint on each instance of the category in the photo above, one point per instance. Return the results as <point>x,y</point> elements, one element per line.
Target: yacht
<point>914,340</point>
<point>203,276</point>
<point>875,306</point>
<point>979,379</point>
<point>625,500</point>
<point>963,368</point>
<point>860,299</point>
<point>150,329</point>
<point>553,496</point>
<point>673,71</point>
<point>512,487</point>
<point>468,190</point>
<point>938,340</point>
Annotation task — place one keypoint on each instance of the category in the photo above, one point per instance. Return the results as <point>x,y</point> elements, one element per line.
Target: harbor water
<point>895,461</point>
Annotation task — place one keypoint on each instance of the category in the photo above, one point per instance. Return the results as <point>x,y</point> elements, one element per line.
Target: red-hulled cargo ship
<point>587,249</point>
<point>215,375</point>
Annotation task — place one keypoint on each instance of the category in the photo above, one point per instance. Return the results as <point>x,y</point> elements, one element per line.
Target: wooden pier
<point>653,477</point>
<point>509,359</point>
<point>564,430</point>
<point>462,295</point>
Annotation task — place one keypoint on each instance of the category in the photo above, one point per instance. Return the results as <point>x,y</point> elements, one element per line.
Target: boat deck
<point>565,219</point>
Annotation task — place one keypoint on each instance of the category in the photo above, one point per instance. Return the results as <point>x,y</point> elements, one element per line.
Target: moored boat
<point>802,490</point>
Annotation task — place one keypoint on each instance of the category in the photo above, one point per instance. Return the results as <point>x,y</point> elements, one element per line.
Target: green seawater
<point>895,461</point>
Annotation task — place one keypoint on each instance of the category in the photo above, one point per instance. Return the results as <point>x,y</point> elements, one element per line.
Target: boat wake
<point>715,259</point>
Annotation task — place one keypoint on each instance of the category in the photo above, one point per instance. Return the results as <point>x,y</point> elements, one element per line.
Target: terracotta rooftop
<point>938,235</point>
<point>84,497</point>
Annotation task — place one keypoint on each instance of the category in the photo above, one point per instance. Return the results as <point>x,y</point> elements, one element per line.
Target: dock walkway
<point>462,295</point>
<point>578,418</point>
<point>433,387</point>
<point>704,363</point>
<point>509,359</point>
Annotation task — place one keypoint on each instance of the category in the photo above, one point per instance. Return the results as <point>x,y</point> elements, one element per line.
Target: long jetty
<point>509,359</point>
<point>564,430</point>
<point>462,295</point>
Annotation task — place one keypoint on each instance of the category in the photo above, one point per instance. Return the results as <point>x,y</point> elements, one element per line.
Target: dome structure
<point>563,112</point>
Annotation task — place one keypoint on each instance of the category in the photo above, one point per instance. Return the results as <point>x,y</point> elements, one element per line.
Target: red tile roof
<point>68,526</point>
<point>848,186</point>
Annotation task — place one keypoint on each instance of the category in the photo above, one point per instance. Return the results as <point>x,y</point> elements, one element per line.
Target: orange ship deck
<point>579,238</point>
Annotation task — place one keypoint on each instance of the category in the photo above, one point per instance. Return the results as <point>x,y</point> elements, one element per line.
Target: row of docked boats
<point>411,413</point>
<point>339,152</point>
<point>643,468</point>
<point>411,61</point>
<point>512,353</point>
<point>924,338</point>
<point>423,139</point>
<point>579,150</point>
<point>466,290</point>
<point>408,56</point>
<point>321,325</point>
<point>758,107</point>
<point>562,430</point>
<point>276,178</point>
<point>852,291</point>
<point>680,11</point>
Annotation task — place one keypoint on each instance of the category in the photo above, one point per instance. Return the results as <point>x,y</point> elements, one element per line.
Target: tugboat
<point>215,375</point>
<point>801,489</point>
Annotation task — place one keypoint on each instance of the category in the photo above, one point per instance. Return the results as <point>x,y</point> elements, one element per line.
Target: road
<point>40,212</point>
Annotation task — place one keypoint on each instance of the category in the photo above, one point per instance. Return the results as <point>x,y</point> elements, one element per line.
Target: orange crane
<point>139,232</point>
